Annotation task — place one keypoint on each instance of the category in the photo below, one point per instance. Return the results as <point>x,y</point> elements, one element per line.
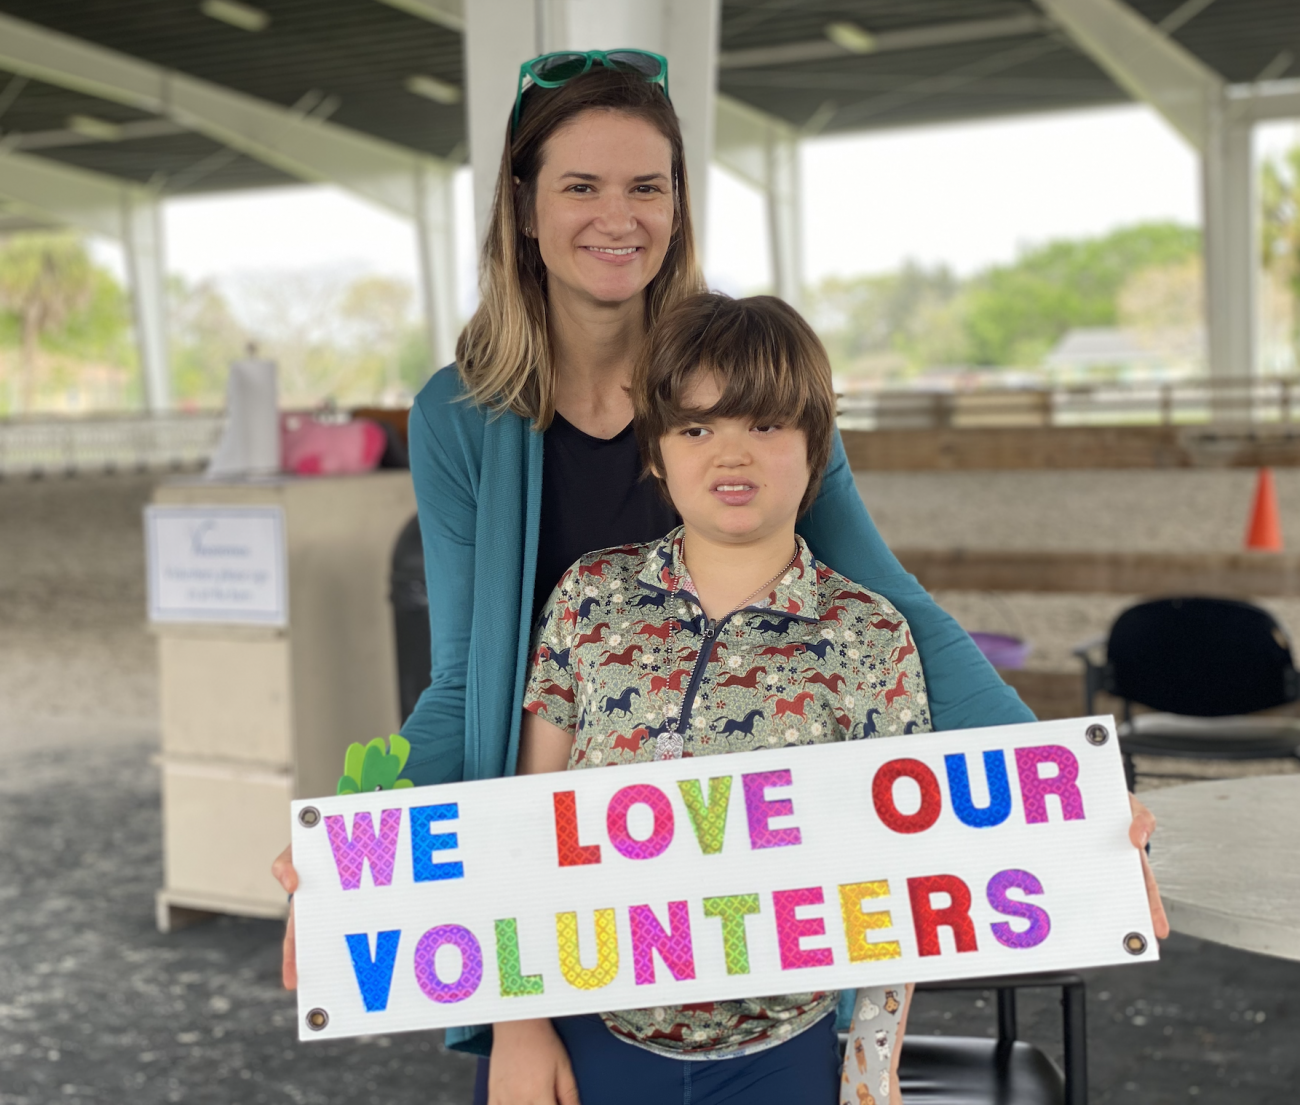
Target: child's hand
<point>530,1066</point>
<point>1139,832</point>
<point>287,877</point>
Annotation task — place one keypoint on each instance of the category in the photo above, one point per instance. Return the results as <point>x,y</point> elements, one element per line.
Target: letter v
<point>710,821</point>
<point>374,976</point>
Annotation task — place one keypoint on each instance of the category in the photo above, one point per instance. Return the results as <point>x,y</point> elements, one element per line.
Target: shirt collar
<point>794,595</point>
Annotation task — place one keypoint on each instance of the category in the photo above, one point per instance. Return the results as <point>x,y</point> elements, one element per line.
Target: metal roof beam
<point>1266,100</point>
<point>312,150</point>
<point>1145,62</point>
<point>445,13</point>
<point>910,38</point>
<point>68,197</point>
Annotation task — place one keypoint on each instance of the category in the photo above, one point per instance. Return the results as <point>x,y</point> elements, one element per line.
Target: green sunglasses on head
<point>556,70</point>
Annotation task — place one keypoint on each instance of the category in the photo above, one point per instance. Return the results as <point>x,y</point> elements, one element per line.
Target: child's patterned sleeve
<point>873,1038</point>
<point>551,684</point>
<point>902,691</point>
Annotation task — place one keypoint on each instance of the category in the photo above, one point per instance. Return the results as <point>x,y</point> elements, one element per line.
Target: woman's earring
<point>528,232</point>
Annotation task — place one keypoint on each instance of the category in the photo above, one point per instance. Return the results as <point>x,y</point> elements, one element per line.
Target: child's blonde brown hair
<point>770,367</point>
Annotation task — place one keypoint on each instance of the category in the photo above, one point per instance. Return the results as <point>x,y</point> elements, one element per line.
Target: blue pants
<point>609,1071</point>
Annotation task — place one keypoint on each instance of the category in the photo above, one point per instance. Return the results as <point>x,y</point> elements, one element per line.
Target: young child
<point>727,635</point>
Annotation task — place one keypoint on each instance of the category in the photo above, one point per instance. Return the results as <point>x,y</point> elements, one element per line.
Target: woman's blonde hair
<point>504,354</point>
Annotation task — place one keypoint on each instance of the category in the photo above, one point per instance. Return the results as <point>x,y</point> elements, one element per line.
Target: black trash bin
<point>410,598</point>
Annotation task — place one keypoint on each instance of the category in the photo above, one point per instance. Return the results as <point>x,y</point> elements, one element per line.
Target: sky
<point>964,195</point>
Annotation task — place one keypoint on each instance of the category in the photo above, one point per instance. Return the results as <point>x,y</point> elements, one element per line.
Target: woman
<point>523,457</point>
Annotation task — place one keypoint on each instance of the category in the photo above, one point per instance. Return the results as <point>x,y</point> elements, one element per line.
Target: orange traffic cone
<point>1264,534</point>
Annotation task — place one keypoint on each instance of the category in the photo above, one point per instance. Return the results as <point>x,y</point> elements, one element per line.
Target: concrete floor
<point>96,1006</point>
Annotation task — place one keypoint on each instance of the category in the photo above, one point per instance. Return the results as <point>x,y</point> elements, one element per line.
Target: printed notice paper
<point>951,855</point>
<point>216,564</point>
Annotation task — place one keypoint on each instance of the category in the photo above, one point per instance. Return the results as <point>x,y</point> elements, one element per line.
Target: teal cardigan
<point>478,488</point>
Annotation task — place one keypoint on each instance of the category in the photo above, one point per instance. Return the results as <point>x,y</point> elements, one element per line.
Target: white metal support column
<point>764,152</point>
<point>1231,247</point>
<point>784,214</point>
<point>142,239</point>
<point>501,34</point>
<point>435,217</point>
<point>1196,101</point>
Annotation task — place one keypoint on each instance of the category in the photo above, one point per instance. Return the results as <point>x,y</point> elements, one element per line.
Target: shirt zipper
<point>708,637</point>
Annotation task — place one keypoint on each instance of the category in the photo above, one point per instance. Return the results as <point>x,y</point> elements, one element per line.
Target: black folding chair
<point>972,1070</point>
<point>1201,664</point>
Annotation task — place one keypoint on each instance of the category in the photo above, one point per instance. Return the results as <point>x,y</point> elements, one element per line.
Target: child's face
<point>730,480</point>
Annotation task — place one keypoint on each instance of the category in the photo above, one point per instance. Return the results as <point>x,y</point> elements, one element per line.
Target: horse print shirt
<point>622,648</point>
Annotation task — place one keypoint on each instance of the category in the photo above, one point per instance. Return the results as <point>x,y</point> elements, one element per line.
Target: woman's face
<point>604,214</point>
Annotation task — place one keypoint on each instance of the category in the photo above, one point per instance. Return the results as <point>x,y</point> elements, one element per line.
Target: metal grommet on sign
<point>1135,943</point>
<point>317,1019</point>
<point>1098,734</point>
<point>309,816</point>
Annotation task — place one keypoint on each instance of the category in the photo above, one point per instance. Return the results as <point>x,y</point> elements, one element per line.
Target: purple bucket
<point>1002,651</point>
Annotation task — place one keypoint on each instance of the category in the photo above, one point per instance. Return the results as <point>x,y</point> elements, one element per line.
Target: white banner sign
<point>953,855</point>
<point>217,564</point>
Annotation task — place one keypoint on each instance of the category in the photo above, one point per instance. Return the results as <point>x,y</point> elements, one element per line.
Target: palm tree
<point>44,278</point>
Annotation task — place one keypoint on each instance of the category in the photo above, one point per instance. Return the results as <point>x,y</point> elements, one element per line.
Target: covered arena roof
<point>827,67</point>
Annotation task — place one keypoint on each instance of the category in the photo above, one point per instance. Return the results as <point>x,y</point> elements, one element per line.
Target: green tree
<point>377,313</point>
<point>1015,313</point>
<point>44,280</point>
<point>875,324</point>
<point>1280,219</point>
<point>205,337</point>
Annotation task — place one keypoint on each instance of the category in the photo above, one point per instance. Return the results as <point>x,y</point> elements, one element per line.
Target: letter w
<point>350,855</point>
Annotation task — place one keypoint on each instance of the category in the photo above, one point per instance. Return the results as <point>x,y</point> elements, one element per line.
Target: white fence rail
<point>36,446</point>
<point>1259,400</point>
<point>107,443</point>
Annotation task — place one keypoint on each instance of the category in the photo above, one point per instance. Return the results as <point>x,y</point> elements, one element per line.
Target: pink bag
<point>309,447</point>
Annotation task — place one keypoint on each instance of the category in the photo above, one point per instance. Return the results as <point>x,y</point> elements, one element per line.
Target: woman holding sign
<point>523,454</point>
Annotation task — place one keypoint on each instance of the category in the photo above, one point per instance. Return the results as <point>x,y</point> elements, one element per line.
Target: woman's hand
<point>1139,832</point>
<point>287,877</point>
<point>529,1066</point>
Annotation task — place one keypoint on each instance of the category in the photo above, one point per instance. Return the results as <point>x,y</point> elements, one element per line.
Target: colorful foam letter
<point>351,854</point>
<point>1040,924</point>
<point>710,821</point>
<point>882,794</point>
<point>760,809</point>
<point>674,945</point>
<point>858,924</point>
<point>606,968</point>
<point>374,976</point>
<point>733,909</point>
<point>424,842</point>
<point>1034,789</point>
<point>995,771</point>
<point>514,983</point>
<point>571,853</point>
<point>956,915</point>
<point>471,964</point>
<point>661,835</point>
<point>791,930</point>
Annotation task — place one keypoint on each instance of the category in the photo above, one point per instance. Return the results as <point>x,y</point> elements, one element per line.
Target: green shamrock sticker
<point>373,766</point>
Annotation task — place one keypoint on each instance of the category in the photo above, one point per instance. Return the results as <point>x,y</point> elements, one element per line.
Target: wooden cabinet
<point>255,716</point>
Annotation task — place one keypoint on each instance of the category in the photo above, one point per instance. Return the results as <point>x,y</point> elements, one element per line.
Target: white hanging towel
<point>250,445</point>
